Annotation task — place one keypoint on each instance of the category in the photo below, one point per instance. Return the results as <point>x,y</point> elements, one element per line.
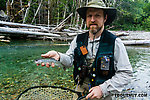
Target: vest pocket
<point>103,64</point>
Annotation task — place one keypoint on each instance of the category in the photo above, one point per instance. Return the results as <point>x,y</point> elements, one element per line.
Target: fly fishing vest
<point>103,66</point>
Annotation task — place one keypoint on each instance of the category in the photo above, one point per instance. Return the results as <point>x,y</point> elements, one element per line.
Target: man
<point>101,64</point>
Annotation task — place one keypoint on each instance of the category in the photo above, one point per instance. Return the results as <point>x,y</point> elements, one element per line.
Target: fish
<point>48,62</point>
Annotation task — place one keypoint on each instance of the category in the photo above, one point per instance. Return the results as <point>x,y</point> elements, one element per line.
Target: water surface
<point>19,72</point>
<point>139,88</point>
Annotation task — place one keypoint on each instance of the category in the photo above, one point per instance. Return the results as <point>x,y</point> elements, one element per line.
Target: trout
<point>49,62</point>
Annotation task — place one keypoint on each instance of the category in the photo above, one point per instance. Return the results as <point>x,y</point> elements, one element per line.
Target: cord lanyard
<point>89,85</point>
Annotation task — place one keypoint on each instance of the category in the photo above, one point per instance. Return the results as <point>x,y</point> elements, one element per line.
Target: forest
<point>131,14</point>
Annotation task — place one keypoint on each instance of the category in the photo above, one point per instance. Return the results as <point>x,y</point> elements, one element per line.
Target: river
<point>139,88</point>
<point>18,71</point>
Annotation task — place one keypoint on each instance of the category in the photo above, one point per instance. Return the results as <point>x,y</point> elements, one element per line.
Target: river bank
<point>61,32</point>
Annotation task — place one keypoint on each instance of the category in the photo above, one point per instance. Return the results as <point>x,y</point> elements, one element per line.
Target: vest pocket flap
<point>105,54</point>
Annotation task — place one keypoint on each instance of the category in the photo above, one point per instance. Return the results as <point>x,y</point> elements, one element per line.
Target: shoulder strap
<point>83,38</point>
<point>79,58</point>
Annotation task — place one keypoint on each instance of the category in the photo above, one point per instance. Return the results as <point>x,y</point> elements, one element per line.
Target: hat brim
<point>111,13</point>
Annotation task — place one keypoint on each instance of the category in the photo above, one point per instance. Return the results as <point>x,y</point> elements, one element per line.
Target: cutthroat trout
<point>48,62</point>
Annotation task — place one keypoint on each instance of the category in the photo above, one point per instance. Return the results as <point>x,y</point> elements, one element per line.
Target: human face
<point>95,20</point>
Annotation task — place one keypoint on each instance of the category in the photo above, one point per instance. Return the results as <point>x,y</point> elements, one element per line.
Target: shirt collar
<point>95,40</point>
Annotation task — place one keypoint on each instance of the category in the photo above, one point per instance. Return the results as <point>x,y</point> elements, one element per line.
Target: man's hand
<point>95,92</point>
<point>51,54</point>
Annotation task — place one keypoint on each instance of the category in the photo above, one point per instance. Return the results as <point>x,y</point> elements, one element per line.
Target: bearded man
<point>101,63</point>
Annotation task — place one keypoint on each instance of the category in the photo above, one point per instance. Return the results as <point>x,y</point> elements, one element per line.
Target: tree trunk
<point>136,42</point>
<point>21,8</point>
<point>22,25</point>
<point>8,8</point>
<point>27,11</point>
<point>65,12</point>
<point>62,22</point>
<point>77,21</point>
<point>37,11</point>
<point>13,31</point>
<point>48,13</point>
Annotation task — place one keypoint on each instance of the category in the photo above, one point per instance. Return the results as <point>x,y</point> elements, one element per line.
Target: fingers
<point>47,55</point>
<point>44,55</point>
<point>37,64</point>
<point>51,54</point>
<point>89,95</point>
<point>47,64</point>
<point>94,92</point>
<point>42,64</point>
<point>90,90</point>
<point>53,64</point>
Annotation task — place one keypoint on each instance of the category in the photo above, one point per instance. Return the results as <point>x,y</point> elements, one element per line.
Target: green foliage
<point>147,8</point>
<point>133,15</point>
<point>3,5</point>
<point>146,20</point>
<point>146,24</point>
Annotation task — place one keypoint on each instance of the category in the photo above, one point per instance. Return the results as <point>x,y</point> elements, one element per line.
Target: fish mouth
<point>37,61</point>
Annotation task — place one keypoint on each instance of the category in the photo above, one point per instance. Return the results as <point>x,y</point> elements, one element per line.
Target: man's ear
<point>105,18</point>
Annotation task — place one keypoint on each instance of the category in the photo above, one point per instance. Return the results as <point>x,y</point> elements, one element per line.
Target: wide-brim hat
<point>110,11</point>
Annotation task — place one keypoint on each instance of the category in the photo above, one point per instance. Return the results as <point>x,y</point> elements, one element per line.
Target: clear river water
<point>19,72</point>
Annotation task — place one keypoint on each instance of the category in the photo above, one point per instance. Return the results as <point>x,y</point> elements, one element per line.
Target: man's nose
<point>92,19</point>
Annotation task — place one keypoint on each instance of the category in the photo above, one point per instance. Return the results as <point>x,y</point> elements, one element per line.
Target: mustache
<point>92,24</point>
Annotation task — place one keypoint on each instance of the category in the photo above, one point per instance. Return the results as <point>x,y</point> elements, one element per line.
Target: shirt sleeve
<point>123,71</point>
<point>68,58</point>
